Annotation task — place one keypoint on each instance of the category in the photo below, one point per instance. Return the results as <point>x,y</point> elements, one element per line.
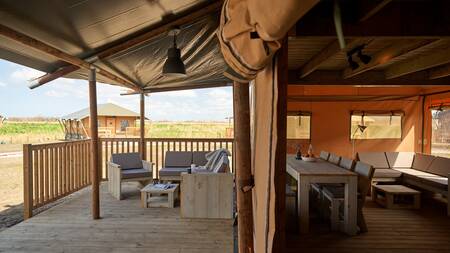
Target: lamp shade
<point>174,66</point>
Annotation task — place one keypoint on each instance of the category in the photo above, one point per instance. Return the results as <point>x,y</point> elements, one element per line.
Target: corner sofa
<point>177,162</point>
<point>423,171</point>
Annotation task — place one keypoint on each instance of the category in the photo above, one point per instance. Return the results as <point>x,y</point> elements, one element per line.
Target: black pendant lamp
<point>174,66</point>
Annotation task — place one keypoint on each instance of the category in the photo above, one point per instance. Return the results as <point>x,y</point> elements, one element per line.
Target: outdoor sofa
<point>422,171</point>
<point>127,167</point>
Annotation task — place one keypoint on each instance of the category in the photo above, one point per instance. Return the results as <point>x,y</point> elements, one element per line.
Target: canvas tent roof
<point>86,29</point>
<point>108,109</point>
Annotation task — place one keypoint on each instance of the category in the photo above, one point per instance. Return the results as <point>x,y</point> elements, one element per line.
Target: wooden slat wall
<point>54,170</point>
<point>157,147</point>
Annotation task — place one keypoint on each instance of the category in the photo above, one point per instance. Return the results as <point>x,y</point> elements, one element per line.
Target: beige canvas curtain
<point>250,33</point>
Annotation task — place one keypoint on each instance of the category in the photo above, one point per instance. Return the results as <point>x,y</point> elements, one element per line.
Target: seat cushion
<point>400,159</point>
<point>432,180</point>
<point>172,171</point>
<point>376,159</point>
<point>386,173</point>
<point>178,159</point>
<point>135,173</point>
<point>440,166</point>
<point>127,160</point>
<point>422,162</point>
<point>199,158</point>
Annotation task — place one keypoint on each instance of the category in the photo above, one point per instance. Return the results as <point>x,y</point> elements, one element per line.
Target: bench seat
<point>432,180</point>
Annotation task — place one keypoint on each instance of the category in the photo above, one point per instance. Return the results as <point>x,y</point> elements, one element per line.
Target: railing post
<point>27,181</point>
<point>142,127</point>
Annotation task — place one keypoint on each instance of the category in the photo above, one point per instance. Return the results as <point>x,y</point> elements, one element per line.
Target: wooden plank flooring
<point>396,231</point>
<point>124,227</point>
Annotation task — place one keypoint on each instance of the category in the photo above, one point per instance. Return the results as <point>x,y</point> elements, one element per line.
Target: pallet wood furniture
<point>207,195</point>
<point>321,171</point>
<point>177,162</point>
<point>394,196</point>
<point>127,167</point>
<point>157,197</point>
<point>335,194</point>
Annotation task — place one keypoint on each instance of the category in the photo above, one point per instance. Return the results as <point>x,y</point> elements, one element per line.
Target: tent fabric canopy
<point>85,28</point>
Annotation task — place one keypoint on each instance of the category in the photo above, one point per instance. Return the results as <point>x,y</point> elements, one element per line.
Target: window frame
<point>300,113</point>
<point>376,113</point>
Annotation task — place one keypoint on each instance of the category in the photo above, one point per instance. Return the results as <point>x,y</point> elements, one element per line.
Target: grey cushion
<point>386,173</point>
<point>172,171</point>
<point>199,158</point>
<point>376,159</point>
<point>422,162</point>
<point>440,166</point>
<point>178,159</point>
<point>135,173</point>
<point>127,160</point>
<point>400,159</point>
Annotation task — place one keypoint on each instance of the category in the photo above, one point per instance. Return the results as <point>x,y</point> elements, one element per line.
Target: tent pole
<point>244,179</point>
<point>94,145</point>
<point>142,127</point>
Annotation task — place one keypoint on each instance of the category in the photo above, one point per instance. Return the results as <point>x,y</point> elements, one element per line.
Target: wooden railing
<point>54,170</point>
<point>156,147</point>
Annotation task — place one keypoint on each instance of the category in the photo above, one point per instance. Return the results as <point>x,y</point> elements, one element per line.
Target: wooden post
<point>279,240</point>
<point>142,127</point>
<point>27,182</point>
<point>94,145</point>
<point>243,171</point>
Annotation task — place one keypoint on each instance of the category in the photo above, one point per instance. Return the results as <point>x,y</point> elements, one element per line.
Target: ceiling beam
<point>441,71</point>
<point>141,37</point>
<point>60,55</point>
<point>369,78</point>
<point>178,88</point>
<point>50,77</point>
<point>326,53</point>
<point>394,51</point>
<point>370,8</point>
<point>397,19</point>
<point>436,58</point>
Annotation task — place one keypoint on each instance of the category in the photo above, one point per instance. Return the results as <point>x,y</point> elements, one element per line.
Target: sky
<point>64,96</point>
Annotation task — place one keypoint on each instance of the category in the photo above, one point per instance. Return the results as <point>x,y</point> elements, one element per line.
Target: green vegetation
<point>187,129</point>
<point>12,128</point>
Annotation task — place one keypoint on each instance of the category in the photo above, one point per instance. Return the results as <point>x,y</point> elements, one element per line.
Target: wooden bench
<point>396,196</point>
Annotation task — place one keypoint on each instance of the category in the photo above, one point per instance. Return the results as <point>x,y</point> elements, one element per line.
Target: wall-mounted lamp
<point>174,66</point>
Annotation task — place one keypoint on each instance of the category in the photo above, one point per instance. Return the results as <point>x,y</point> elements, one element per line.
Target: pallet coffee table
<point>396,196</point>
<point>152,196</point>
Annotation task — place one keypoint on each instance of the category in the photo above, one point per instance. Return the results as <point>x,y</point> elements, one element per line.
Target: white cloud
<point>25,74</point>
<point>54,93</point>
<point>181,93</point>
<point>2,84</point>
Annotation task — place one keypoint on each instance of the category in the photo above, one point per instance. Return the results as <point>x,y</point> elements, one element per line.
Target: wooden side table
<point>157,197</point>
<point>396,196</point>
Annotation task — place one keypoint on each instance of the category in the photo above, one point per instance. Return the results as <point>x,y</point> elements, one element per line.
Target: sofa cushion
<point>432,180</point>
<point>376,159</point>
<point>135,173</point>
<point>422,162</point>
<point>178,159</point>
<point>127,160</point>
<point>400,159</point>
<point>199,158</point>
<point>386,173</point>
<point>440,166</point>
<point>172,171</point>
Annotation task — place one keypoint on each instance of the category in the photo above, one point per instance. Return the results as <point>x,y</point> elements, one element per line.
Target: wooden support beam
<point>329,51</point>
<point>186,17</point>
<point>244,178</point>
<point>54,52</point>
<point>440,72</point>
<point>187,87</point>
<point>55,75</point>
<point>369,78</point>
<point>142,127</point>
<point>399,48</point>
<point>370,8</point>
<point>94,145</point>
<point>427,61</point>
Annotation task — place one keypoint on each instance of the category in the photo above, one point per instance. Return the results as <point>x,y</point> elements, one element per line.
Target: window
<point>123,125</point>
<point>376,125</point>
<point>299,125</point>
<point>440,132</point>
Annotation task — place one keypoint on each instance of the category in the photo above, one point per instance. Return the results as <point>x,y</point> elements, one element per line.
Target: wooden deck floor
<point>399,231</point>
<point>124,227</point>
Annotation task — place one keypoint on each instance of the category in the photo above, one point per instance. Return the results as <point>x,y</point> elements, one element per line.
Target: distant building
<point>113,121</point>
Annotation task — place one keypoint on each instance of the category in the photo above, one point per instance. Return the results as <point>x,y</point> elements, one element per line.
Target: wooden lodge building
<point>357,79</point>
<point>113,121</point>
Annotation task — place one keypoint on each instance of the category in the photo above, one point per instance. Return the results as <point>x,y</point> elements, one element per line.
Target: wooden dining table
<point>321,171</point>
